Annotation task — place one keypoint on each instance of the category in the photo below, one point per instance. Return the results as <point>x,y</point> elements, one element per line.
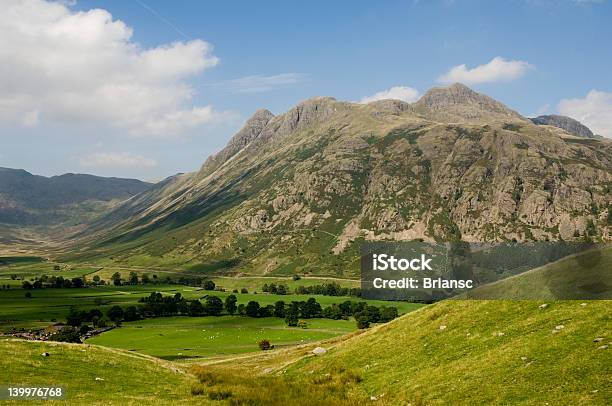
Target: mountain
<point>27,199</point>
<point>295,192</point>
<point>568,124</point>
<point>458,103</point>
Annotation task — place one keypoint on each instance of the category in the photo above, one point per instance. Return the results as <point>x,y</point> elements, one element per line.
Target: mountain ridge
<point>32,199</point>
<point>326,174</point>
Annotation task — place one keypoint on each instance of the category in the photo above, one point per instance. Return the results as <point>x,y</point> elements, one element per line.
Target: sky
<point>149,88</point>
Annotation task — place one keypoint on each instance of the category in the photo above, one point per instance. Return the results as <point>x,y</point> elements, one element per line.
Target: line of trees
<point>158,305</point>
<point>46,281</point>
<point>327,289</point>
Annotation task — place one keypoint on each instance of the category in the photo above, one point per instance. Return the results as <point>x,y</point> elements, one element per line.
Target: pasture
<point>174,338</point>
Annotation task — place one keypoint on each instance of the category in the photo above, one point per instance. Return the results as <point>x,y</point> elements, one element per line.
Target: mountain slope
<point>31,199</point>
<point>327,174</point>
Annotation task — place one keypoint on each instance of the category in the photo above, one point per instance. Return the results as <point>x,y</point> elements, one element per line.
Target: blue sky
<point>553,56</point>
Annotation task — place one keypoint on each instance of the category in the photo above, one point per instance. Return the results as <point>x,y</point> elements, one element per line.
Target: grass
<point>124,378</point>
<point>489,352</point>
<point>189,337</point>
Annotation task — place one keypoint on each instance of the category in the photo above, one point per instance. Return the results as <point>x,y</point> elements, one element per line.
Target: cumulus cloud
<point>116,160</point>
<point>263,83</point>
<point>404,93</point>
<point>64,66</point>
<point>498,69</point>
<point>594,111</point>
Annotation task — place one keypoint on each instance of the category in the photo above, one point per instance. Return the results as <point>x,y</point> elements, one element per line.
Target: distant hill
<point>27,199</point>
<point>568,124</point>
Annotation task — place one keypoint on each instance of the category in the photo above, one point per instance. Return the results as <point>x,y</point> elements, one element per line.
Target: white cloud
<point>594,111</point>
<point>63,66</point>
<point>498,69</point>
<point>404,93</point>
<point>263,83</point>
<point>116,160</point>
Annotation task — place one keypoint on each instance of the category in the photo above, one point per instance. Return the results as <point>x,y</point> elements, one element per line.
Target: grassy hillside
<point>454,352</point>
<point>585,275</point>
<point>127,379</point>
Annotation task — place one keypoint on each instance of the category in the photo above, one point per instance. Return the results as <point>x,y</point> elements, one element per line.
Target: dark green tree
<point>230,304</point>
<point>213,306</point>
<point>115,313</point>
<point>279,309</point>
<point>196,308</point>
<point>252,309</point>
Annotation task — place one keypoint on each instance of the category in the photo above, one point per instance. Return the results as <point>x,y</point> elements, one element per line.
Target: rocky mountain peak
<point>568,124</point>
<point>251,130</point>
<point>459,103</point>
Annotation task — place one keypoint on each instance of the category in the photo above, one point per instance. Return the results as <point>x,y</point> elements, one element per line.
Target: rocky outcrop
<point>568,124</point>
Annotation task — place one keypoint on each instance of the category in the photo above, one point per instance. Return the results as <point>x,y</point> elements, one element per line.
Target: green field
<point>50,305</point>
<point>188,337</point>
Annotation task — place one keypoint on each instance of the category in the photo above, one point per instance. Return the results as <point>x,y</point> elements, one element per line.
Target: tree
<point>196,308</point>
<point>133,278</point>
<point>279,309</point>
<point>372,313</point>
<point>96,278</point>
<point>145,278</point>
<point>311,309</point>
<point>68,335</point>
<point>115,313</point>
<point>292,314</point>
<point>244,290</point>
<point>116,278</point>
<point>74,317</point>
<point>131,313</point>
<point>26,285</point>
<point>252,309</point>
<point>28,295</point>
<point>209,285</point>
<point>387,313</point>
<point>296,277</point>
<point>77,282</point>
<point>94,313</point>
<point>332,312</point>
<point>230,304</point>
<point>241,309</point>
<point>362,321</point>
<point>214,306</point>
<point>281,290</point>
<point>266,311</point>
